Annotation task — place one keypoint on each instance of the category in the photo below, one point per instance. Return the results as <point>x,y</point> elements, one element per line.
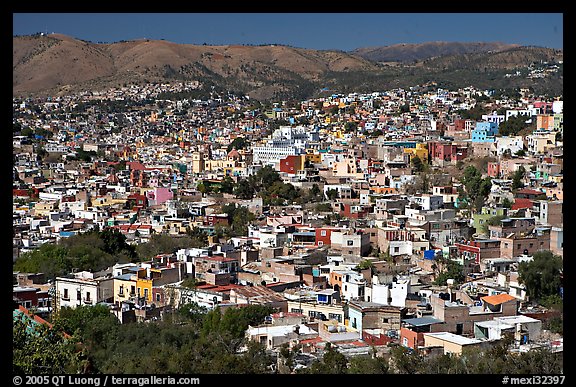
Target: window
<point>133,290</point>
<point>405,341</point>
<point>396,249</point>
<point>88,296</point>
<point>121,290</point>
<point>78,294</point>
<point>350,243</point>
<point>295,310</point>
<point>323,232</point>
<point>66,296</point>
<point>335,316</point>
<point>157,297</point>
<point>146,293</point>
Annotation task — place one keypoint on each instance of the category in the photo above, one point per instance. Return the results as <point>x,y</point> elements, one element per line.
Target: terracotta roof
<point>498,299</point>
<point>521,203</point>
<point>528,191</point>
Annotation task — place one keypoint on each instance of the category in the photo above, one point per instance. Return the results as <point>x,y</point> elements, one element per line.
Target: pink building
<point>159,195</point>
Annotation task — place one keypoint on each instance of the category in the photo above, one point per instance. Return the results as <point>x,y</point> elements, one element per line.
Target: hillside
<point>58,64</point>
<point>408,53</point>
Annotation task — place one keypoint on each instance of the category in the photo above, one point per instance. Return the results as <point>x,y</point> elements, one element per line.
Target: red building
<point>375,337</point>
<point>137,201</point>
<point>292,164</point>
<point>323,235</point>
<point>459,125</point>
<point>478,250</point>
<point>521,203</point>
<point>30,297</point>
<point>213,220</point>
<point>527,193</point>
<point>446,151</point>
<point>494,169</point>
<point>354,211</point>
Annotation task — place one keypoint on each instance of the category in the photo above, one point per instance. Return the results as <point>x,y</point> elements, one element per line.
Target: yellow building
<point>131,286</point>
<point>44,208</point>
<point>107,200</point>
<point>421,151</point>
<point>383,190</point>
<point>144,285</point>
<point>313,157</point>
<point>124,288</point>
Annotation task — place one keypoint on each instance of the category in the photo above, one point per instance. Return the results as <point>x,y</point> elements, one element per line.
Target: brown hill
<point>46,63</point>
<point>406,53</point>
<point>58,64</point>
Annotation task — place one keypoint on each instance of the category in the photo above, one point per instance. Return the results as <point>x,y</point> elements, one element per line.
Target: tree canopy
<point>91,251</point>
<point>542,275</point>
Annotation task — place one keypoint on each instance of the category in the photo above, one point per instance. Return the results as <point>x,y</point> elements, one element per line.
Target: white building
<point>427,202</point>
<point>285,141</point>
<point>393,293</point>
<point>512,143</point>
<point>83,289</point>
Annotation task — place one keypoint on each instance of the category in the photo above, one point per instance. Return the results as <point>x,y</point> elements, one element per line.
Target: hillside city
<point>390,232</point>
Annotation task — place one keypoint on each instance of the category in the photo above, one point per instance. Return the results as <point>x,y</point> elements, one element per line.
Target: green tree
<point>237,143</point>
<point>492,221</point>
<point>331,194</point>
<point>49,259</point>
<point>477,188</point>
<point>266,176</point>
<point>512,126</point>
<point>240,220</point>
<point>193,312</point>
<point>165,244</point>
<point>74,320</point>
<point>406,362</point>
<point>366,264</point>
<point>517,178</point>
<point>227,185</point>
<point>198,238</point>
<point>333,362</point>
<point>541,275</point>
<point>417,164</point>
<point>365,364</point>
<point>244,190</point>
<point>507,203</point>
<point>323,207</point>
<point>41,349</point>
<point>452,270</point>
<point>350,126</point>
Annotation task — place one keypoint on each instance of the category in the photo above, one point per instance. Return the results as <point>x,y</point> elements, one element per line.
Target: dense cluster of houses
<point>358,275</point>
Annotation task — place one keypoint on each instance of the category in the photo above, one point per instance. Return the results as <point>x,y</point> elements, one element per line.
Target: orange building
<point>545,121</point>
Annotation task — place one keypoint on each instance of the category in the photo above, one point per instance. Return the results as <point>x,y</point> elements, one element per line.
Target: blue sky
<point>342,31</point>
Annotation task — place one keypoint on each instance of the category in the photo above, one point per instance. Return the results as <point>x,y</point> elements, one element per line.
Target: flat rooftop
<point>453,338</point>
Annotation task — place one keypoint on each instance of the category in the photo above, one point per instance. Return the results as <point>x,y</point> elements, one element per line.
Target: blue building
<point>485,132</point>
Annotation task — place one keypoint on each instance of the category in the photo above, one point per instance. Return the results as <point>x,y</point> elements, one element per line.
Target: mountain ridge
<point>56,63</point>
